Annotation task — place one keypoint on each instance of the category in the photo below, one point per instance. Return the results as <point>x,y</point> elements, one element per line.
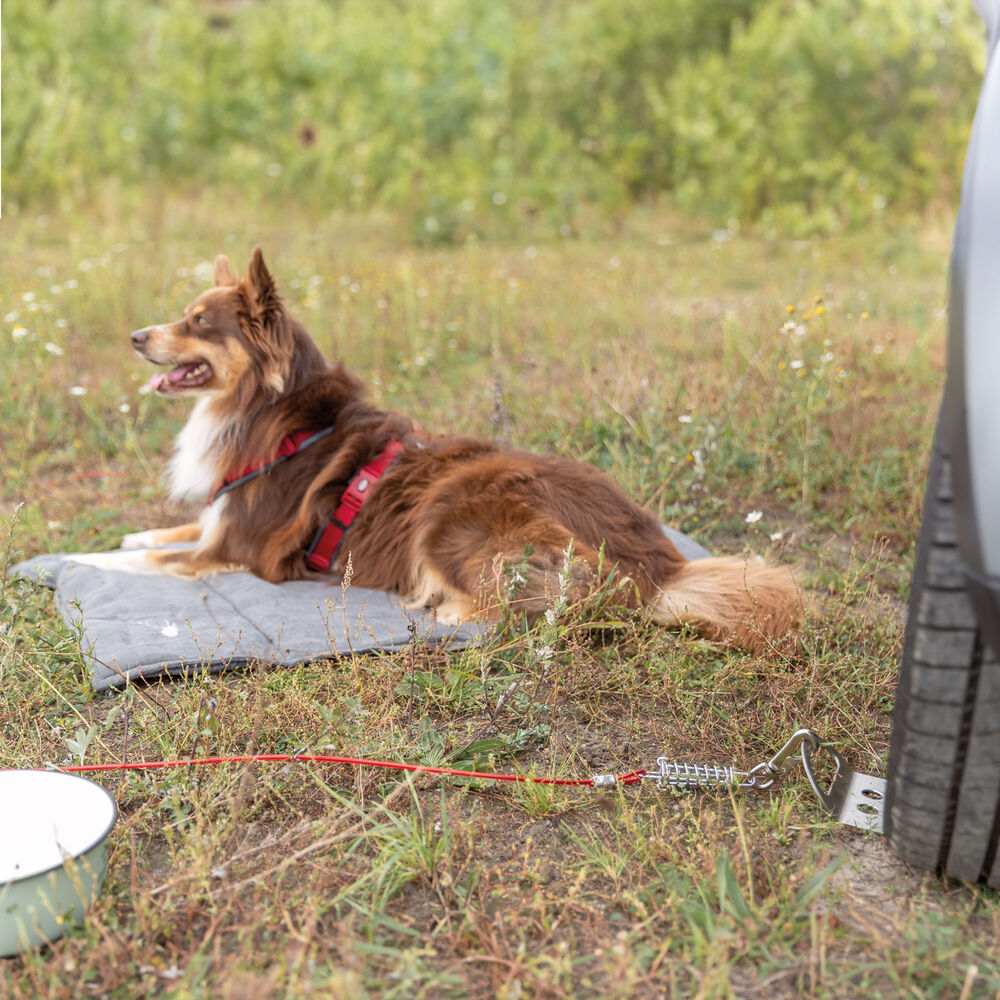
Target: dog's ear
<point>265,323</point>
<point>223,272</point>
<point>260,288</point>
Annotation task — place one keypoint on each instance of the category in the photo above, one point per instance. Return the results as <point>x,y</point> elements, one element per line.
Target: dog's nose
<point>139,337</point>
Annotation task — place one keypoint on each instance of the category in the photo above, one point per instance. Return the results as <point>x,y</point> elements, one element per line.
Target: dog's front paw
<point>123,562</point>
<point>138,540</point>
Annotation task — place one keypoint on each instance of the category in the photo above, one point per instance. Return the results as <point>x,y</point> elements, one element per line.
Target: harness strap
<point>290,445</point>
<point>323,548</point>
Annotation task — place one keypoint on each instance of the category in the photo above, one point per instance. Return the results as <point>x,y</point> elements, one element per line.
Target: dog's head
<point>235,333</point>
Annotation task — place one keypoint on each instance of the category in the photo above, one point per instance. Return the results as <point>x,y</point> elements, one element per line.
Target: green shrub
<point>825,114</point>
<point>472,115</point>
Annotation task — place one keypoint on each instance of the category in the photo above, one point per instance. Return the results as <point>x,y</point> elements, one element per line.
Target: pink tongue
<point>178,374</point>
<point>181,372</point>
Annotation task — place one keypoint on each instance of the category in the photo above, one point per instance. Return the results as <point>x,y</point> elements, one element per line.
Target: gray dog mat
<point>138,627</point>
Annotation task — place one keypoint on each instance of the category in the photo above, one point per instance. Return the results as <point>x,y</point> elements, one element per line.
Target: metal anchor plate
<point>853,798</point>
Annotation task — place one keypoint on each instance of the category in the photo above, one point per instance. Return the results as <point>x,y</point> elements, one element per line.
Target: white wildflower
<point>754,516</point>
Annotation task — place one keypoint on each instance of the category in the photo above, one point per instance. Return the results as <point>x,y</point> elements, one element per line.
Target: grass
<point>759,395</point>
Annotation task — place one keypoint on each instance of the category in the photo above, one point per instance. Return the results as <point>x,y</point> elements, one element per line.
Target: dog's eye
<point>201,319</point>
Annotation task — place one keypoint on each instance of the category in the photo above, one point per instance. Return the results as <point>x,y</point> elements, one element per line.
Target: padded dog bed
<point>139,627</point>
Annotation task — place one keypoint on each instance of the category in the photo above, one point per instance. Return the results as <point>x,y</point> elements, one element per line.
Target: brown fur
<point>451,516</point>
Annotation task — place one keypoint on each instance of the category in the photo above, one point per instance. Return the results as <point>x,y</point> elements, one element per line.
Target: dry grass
<point>666,358</point>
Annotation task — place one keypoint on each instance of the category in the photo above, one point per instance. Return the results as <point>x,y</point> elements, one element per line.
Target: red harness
<point>290,446</point>
<point>324,545</point>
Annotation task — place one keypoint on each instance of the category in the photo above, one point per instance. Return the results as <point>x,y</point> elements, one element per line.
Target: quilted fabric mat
<point>135,626</point>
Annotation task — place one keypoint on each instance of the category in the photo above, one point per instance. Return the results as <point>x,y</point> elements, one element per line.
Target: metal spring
<point>678,774</point>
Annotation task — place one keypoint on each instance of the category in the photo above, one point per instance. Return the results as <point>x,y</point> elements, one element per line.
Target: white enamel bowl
<point>53,854</point>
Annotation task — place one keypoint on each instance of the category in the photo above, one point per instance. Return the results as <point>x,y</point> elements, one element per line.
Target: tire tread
<point>943,808</point>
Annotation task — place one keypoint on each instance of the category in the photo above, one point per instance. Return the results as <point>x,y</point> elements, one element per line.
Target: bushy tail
<point>734,601</point>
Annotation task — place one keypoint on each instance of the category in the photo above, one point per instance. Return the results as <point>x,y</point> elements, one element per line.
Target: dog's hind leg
<point>521,561</point>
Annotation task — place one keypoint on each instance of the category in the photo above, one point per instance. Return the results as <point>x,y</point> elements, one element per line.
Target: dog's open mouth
<point>189,376</point>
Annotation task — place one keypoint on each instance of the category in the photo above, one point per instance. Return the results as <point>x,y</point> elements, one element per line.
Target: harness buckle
<point>353,500</point>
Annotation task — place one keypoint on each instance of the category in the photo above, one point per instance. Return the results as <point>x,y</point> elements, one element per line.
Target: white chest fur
<point>194,469</point>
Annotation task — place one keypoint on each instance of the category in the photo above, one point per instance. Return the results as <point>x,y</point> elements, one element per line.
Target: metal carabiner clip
<point>852,798</point>
<point>765,774</point>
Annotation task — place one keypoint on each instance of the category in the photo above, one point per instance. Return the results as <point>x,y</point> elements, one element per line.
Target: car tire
<point>943,777</point>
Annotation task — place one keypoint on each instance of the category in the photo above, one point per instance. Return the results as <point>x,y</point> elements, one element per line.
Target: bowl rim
<point>78,854</point>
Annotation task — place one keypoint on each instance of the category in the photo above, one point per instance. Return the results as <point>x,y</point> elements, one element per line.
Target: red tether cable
<point>631,778</point>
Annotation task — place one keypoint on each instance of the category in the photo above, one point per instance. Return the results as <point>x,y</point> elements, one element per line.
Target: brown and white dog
<point>278,435</point>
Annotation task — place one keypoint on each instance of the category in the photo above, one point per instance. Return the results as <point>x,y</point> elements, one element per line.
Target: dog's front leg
<point>156,537</point>
<point>122,561</point>
<point>188,563</point>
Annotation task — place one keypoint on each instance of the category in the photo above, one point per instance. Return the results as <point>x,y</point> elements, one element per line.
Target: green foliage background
<point>469,116</point>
